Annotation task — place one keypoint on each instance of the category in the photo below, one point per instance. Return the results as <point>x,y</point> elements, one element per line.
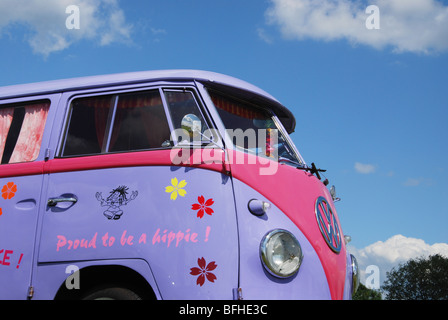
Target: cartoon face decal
<point>118,197</point>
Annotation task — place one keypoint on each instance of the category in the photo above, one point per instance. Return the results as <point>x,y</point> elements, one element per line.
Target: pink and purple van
<point>175,184</point>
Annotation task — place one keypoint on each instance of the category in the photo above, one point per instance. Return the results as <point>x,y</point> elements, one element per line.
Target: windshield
<point>255,130</point>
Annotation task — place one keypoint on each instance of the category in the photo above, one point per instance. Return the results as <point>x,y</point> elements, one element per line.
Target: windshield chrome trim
<point>288,139</point>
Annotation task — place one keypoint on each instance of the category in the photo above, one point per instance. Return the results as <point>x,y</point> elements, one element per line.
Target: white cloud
<point>419,26</point>
<point>415,182</point>
<point>101,21</point>
<point>264,36</point>
<point>156,31</point>
<point>412,182</point>
<point>364,168</point>
<point>390,253</point>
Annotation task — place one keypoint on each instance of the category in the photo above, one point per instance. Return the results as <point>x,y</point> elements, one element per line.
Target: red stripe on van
<point>21,169</point>
<point>198,159</point>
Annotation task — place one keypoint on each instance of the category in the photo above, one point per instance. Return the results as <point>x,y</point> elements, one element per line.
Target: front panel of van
<point>270,171</point>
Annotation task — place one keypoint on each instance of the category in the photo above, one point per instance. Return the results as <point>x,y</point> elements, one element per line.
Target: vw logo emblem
<point>328,225</point>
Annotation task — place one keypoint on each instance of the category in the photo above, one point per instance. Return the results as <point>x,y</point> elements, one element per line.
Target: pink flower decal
<point>203,206</point>
<point>9,190</point>
<point>204,271</point>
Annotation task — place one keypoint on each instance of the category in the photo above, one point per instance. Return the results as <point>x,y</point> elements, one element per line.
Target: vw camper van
<point>174,184</point>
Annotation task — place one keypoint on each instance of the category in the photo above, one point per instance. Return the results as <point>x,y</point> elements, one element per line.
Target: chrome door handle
<point>54,201</point>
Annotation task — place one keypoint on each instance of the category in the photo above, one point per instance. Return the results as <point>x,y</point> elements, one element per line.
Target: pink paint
<point>6,257</point>
<point>126,240</point>
<point>170,237</point>
<point>104,161</point>
<point>295,193</point>
<point>20,260</point>
<point>75,243</point>
<point>207,233</point>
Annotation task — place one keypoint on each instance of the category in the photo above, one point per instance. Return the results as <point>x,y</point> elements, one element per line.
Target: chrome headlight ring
<point>280,253</point>
<point>355,274</point>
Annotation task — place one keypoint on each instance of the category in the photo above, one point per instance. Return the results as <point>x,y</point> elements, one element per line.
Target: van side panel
<point>181,220</point>
<point>18,220</point>
<point>21,188</point>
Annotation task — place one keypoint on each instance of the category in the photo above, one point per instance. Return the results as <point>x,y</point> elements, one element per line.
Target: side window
<point>140,123</point>
<point>21,130</point>
<point>182,103</point>
<point>116,123</point>
<point>87,128</point>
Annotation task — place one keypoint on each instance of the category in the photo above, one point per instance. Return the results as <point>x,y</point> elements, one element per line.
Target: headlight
<point>280,253</point>
<point>355,274</point>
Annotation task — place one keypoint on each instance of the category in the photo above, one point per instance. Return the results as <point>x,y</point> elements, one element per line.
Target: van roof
<point>211,79</point>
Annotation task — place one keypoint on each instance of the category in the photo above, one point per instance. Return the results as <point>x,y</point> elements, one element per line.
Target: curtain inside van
<point>30,137</point>
<point>139,122</point>
<point>5,122</point>
<point>236,108</point>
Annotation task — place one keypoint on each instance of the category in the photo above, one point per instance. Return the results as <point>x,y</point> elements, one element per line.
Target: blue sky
<point>371,105</point>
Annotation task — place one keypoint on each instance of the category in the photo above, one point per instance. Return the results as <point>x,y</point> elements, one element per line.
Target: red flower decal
<point>203,206</point>
<point>9,190</point>
<point>204,271</point>
<point>1,211</point>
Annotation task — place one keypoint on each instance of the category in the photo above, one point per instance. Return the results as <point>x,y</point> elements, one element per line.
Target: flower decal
<point>176,188</point>
<point>203,206</point>
<point>1,212</point>
<point>9,190</point>
<point>204,271</point>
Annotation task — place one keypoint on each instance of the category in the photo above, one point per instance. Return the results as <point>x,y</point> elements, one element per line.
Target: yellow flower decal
<point>176,188</point>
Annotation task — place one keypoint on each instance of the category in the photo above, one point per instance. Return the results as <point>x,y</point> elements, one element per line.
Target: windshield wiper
<point>313,169</point>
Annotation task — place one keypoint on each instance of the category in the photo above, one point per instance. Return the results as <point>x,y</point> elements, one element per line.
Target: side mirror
<point>192,124</point>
